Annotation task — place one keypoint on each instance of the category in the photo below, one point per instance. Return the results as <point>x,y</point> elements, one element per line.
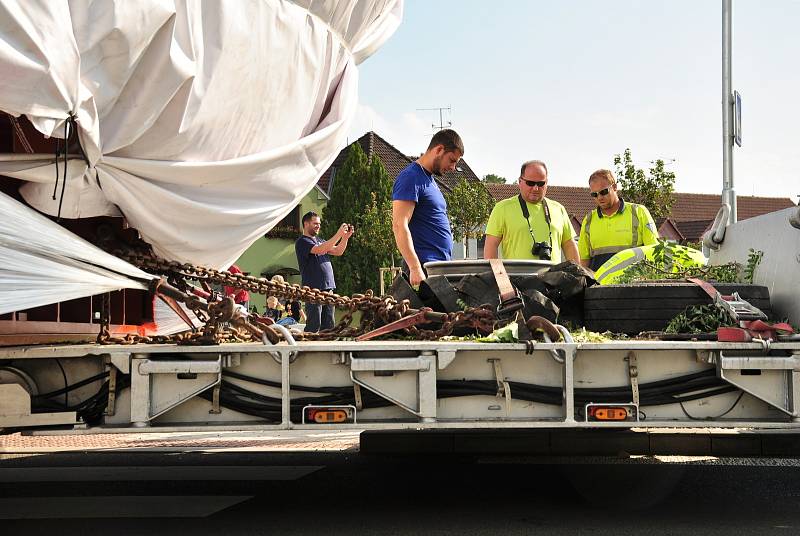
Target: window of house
<point>288,227</point>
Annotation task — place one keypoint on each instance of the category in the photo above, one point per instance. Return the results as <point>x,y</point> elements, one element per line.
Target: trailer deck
<point>398,385</point>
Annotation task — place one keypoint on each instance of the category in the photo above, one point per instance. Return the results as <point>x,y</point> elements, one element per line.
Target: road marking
<point>116,506</point>
<point>155,473</point>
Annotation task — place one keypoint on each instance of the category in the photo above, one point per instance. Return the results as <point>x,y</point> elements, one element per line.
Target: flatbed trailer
<point>427,385</point>
<point>418,381</point>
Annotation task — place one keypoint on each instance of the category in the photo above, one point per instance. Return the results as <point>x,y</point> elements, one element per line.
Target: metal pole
<point>728,193</point>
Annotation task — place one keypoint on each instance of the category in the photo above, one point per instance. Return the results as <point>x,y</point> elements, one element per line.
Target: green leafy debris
<point>667,264</point>
<point>699,319</point>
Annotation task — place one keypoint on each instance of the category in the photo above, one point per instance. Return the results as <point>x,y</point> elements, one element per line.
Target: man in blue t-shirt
<point>419,211</point>
<point>315,266</point>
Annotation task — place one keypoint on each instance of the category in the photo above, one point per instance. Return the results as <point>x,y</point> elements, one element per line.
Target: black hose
<point>669,391</point>
<point>68,388</point>
<point>677,390</point>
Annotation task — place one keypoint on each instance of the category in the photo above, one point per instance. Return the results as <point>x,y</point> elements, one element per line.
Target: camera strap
<point>524,206</point>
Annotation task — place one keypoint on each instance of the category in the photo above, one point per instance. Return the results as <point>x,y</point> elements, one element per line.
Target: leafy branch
<point>671,261</point>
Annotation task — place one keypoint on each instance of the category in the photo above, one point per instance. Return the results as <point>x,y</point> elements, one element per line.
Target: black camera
<point>543,250</point>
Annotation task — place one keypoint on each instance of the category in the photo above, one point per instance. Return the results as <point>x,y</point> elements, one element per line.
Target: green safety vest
<point>614,267</point>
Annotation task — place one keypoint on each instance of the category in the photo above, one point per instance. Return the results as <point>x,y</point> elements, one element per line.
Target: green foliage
<point>667,262</point>
<point>584,335</point>
<point>699,319</point>
<point>491,178</point>
<point>361,195</point>
<point>753,260</point>
<point>653,190</point>
<point>507,333</point>
<point>695,318</point>
<point>468,207</point>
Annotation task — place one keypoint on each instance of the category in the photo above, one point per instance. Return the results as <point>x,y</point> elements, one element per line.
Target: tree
<point>468,207</point>
<point>653,190</point>
<point>361,196</point>
<point>491,178</point>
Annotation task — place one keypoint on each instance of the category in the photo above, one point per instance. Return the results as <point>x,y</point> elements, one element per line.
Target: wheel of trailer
<point>650,306</point>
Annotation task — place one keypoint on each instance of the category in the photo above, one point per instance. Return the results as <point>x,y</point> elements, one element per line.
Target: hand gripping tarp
<point>204,123</point>
<point>42,263</point>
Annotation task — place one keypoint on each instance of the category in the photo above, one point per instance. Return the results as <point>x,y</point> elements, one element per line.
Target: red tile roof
<point>694,207</point>
<point>693,230</point>
<point>687,207</point>
<point>393,160</point>
<point>669,229</point>
<point>574,198</point>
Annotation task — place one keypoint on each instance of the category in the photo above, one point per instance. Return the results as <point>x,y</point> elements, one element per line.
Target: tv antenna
<point>442,125</point>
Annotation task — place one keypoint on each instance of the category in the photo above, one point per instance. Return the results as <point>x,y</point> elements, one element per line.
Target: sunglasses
<point>604,191</point>
<point>540,184</point>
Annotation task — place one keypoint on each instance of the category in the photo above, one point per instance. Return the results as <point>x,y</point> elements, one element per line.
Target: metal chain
<point>374,309</point>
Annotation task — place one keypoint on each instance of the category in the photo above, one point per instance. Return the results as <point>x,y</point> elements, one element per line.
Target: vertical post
<point>286,392</point>
<point>728,193</point>
<point>140,393</point>
<point>568,392</point>
<point>793,394</point>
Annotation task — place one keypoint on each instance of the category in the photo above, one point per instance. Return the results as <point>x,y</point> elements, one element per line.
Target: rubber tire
<point>638,307</point>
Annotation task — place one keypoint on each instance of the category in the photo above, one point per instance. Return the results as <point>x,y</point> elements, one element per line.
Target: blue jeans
<point>318,317</point>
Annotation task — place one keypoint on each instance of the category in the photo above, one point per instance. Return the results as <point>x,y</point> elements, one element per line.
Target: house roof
<point>693,230</point>
<point>669,229</point>
<point>393,160</point>
<point>574,198</point>
<point>694,207</point>
<point>452,178</point>
<point>687,207</point>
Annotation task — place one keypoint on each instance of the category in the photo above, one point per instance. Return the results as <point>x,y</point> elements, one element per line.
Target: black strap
<point>524,206</point>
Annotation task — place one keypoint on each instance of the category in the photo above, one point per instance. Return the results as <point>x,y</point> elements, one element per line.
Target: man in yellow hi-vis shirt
<point>615,225</point>
<point>529,226</point>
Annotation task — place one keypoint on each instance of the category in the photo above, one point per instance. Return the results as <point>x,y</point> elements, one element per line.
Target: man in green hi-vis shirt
<point>529,226</point>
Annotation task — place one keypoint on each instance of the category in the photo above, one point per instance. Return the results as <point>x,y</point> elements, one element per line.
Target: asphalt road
<point>344,492</point>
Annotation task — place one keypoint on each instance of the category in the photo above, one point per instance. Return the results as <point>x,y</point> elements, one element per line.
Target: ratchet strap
<point>510,300</point>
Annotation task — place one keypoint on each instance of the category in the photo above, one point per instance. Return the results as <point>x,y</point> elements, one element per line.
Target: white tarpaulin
<point>42,263</point>
<point>204,123</point>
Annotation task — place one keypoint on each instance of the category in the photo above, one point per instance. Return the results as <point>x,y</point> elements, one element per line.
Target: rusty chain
<point>375,310</point>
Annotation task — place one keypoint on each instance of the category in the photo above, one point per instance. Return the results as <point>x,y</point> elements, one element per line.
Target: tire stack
<point>634,308</point>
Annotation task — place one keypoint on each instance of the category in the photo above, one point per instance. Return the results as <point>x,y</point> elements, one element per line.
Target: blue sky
<point>574,82</point>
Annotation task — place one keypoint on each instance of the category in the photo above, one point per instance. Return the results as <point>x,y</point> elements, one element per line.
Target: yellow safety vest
<point>615,267</point>
<point>634,223</point>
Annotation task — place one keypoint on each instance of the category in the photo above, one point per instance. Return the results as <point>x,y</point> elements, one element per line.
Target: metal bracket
<point>215,409</point>
<point>503,387</point>
<point>633,374</point>
<point>357,396</point>
<point>121,361</point>
<point>15,410</point>
<point>568,378</point>
<point>112,391</point>
<point>794,219</point>
<point>411,387</point>
<point>158,386</point>
<point>445,357</point>
<point>774,380</point>
<point>713,238</point>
